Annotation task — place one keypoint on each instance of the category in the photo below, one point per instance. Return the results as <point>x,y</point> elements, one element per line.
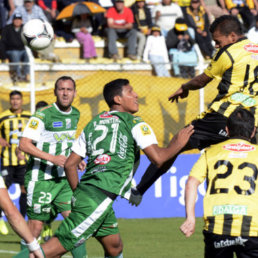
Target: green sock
<point>79,252</point>
<point>23,245</point>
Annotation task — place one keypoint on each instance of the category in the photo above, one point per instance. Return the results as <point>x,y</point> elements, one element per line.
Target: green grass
<point>142,238</point>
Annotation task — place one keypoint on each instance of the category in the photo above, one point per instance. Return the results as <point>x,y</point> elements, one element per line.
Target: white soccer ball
<point>37,34</point>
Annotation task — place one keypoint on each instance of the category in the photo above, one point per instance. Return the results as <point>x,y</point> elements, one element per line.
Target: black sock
<point>23,204</point>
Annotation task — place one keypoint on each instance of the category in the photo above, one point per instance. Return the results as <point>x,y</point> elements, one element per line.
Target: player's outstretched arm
<point>159,156</point>
<point>18,223</point>
<point>188,227</point>
<point>196,83</point>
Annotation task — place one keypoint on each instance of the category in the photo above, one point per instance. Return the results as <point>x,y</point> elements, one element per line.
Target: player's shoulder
<point>26,113</point>
<point>41,113</point>
<point>5,113</point>
<point>75,110</point>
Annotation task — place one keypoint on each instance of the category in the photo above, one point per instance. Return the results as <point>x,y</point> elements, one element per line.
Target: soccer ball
<point>37,34</point>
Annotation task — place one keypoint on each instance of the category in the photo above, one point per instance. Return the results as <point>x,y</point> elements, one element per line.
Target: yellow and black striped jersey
<point>11,128</point>
<point>235,67</point>
<point>230,203</point>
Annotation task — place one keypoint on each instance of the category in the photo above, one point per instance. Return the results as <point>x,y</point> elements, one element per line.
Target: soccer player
<point>112,141</point>
<point>230,203</point>
<point>235,68</point>
<point>17,221</point>
<point>48,139</point>
<point>13,164</point>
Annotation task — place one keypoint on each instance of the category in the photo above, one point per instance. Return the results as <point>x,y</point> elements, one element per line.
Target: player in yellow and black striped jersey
<point>13,162</point>
<point>235,68</point>
<point>230,203</point>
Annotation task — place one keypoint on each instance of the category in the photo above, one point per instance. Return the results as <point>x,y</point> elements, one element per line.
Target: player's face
<point>129,100</point>
<point>222,40</point>
<point>16,103</point>
<point>65,93</point>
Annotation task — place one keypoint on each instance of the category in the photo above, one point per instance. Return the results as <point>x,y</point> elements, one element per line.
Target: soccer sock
<point>119,256</point>
<point>23,245</point>
<point>23,204</point>
<point>79,252</point>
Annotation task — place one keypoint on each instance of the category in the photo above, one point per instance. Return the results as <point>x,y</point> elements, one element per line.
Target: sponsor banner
<point>164,199</point>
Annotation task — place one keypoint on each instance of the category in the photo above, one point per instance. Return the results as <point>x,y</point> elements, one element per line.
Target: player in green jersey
<point>112,141</point>
<point>48,138</point>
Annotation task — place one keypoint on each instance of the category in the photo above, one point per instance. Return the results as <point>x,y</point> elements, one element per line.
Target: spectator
<point>14,49</point>
<point>246,9</point>
<point>29,10</point>
<point>82,27</point>
<point>142,23</point>
<point>32,11</point>
<point>120,25</point>
<point>166,14</point>
<point>3,13</point>
<point>49,8</point>
<point>156,52</point>
<point>151,4</point>
<point>253,32</point>
<point>179,44</point>
<point>197,18</point>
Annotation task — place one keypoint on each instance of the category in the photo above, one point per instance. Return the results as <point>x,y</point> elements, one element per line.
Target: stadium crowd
<point>129,20</point>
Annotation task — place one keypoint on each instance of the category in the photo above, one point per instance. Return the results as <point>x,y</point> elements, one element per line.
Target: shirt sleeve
<point>33,129</point>
<point>218,66</point>
<point>199,170</point>
<point>79,145</point>
<point>144,135</point>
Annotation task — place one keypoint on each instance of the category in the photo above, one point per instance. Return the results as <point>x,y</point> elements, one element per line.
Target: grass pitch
<point>142,238</point>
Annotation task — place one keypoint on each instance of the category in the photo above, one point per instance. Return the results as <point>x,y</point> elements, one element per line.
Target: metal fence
<point>165,118</point>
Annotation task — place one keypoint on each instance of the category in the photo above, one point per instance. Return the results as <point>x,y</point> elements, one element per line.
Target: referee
<point>230,203</point>
<point>235,69</point>
<point>13,162</point>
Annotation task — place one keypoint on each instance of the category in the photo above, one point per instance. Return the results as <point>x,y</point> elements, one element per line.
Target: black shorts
<point>211,129</point>
<point>222,246</point>
<point>13,174</point>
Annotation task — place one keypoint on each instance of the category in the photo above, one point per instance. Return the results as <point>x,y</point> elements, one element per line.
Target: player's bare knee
<point>35,227</point>
<point>115,249</point>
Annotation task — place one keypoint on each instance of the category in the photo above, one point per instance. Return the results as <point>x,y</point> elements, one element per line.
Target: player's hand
<point>188,227</point>
<point>59,160</point>
<point>82,166</point>
<point>180,93</point>
<point>135,197</point>
<point>4,143</point>
<point>182,137</point>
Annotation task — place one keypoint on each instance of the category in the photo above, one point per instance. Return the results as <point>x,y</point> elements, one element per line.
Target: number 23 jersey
<point>112,142</point>
<point>230,203</point>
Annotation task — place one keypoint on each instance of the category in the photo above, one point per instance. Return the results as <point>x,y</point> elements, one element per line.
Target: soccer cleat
<point>47,232</point>
<point>135,197</point>
<point>3,228</point>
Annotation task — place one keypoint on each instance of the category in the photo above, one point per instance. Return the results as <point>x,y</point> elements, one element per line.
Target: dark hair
<point>41,104</point>
<point>241,123</point>
<point>226,24</point>
<point>65,78</point>
<point>112,89</point>
<point>15,92</point>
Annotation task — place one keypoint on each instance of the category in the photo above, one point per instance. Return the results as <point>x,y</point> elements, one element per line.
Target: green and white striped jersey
<point>112,142</point>
<point>52,131</point>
